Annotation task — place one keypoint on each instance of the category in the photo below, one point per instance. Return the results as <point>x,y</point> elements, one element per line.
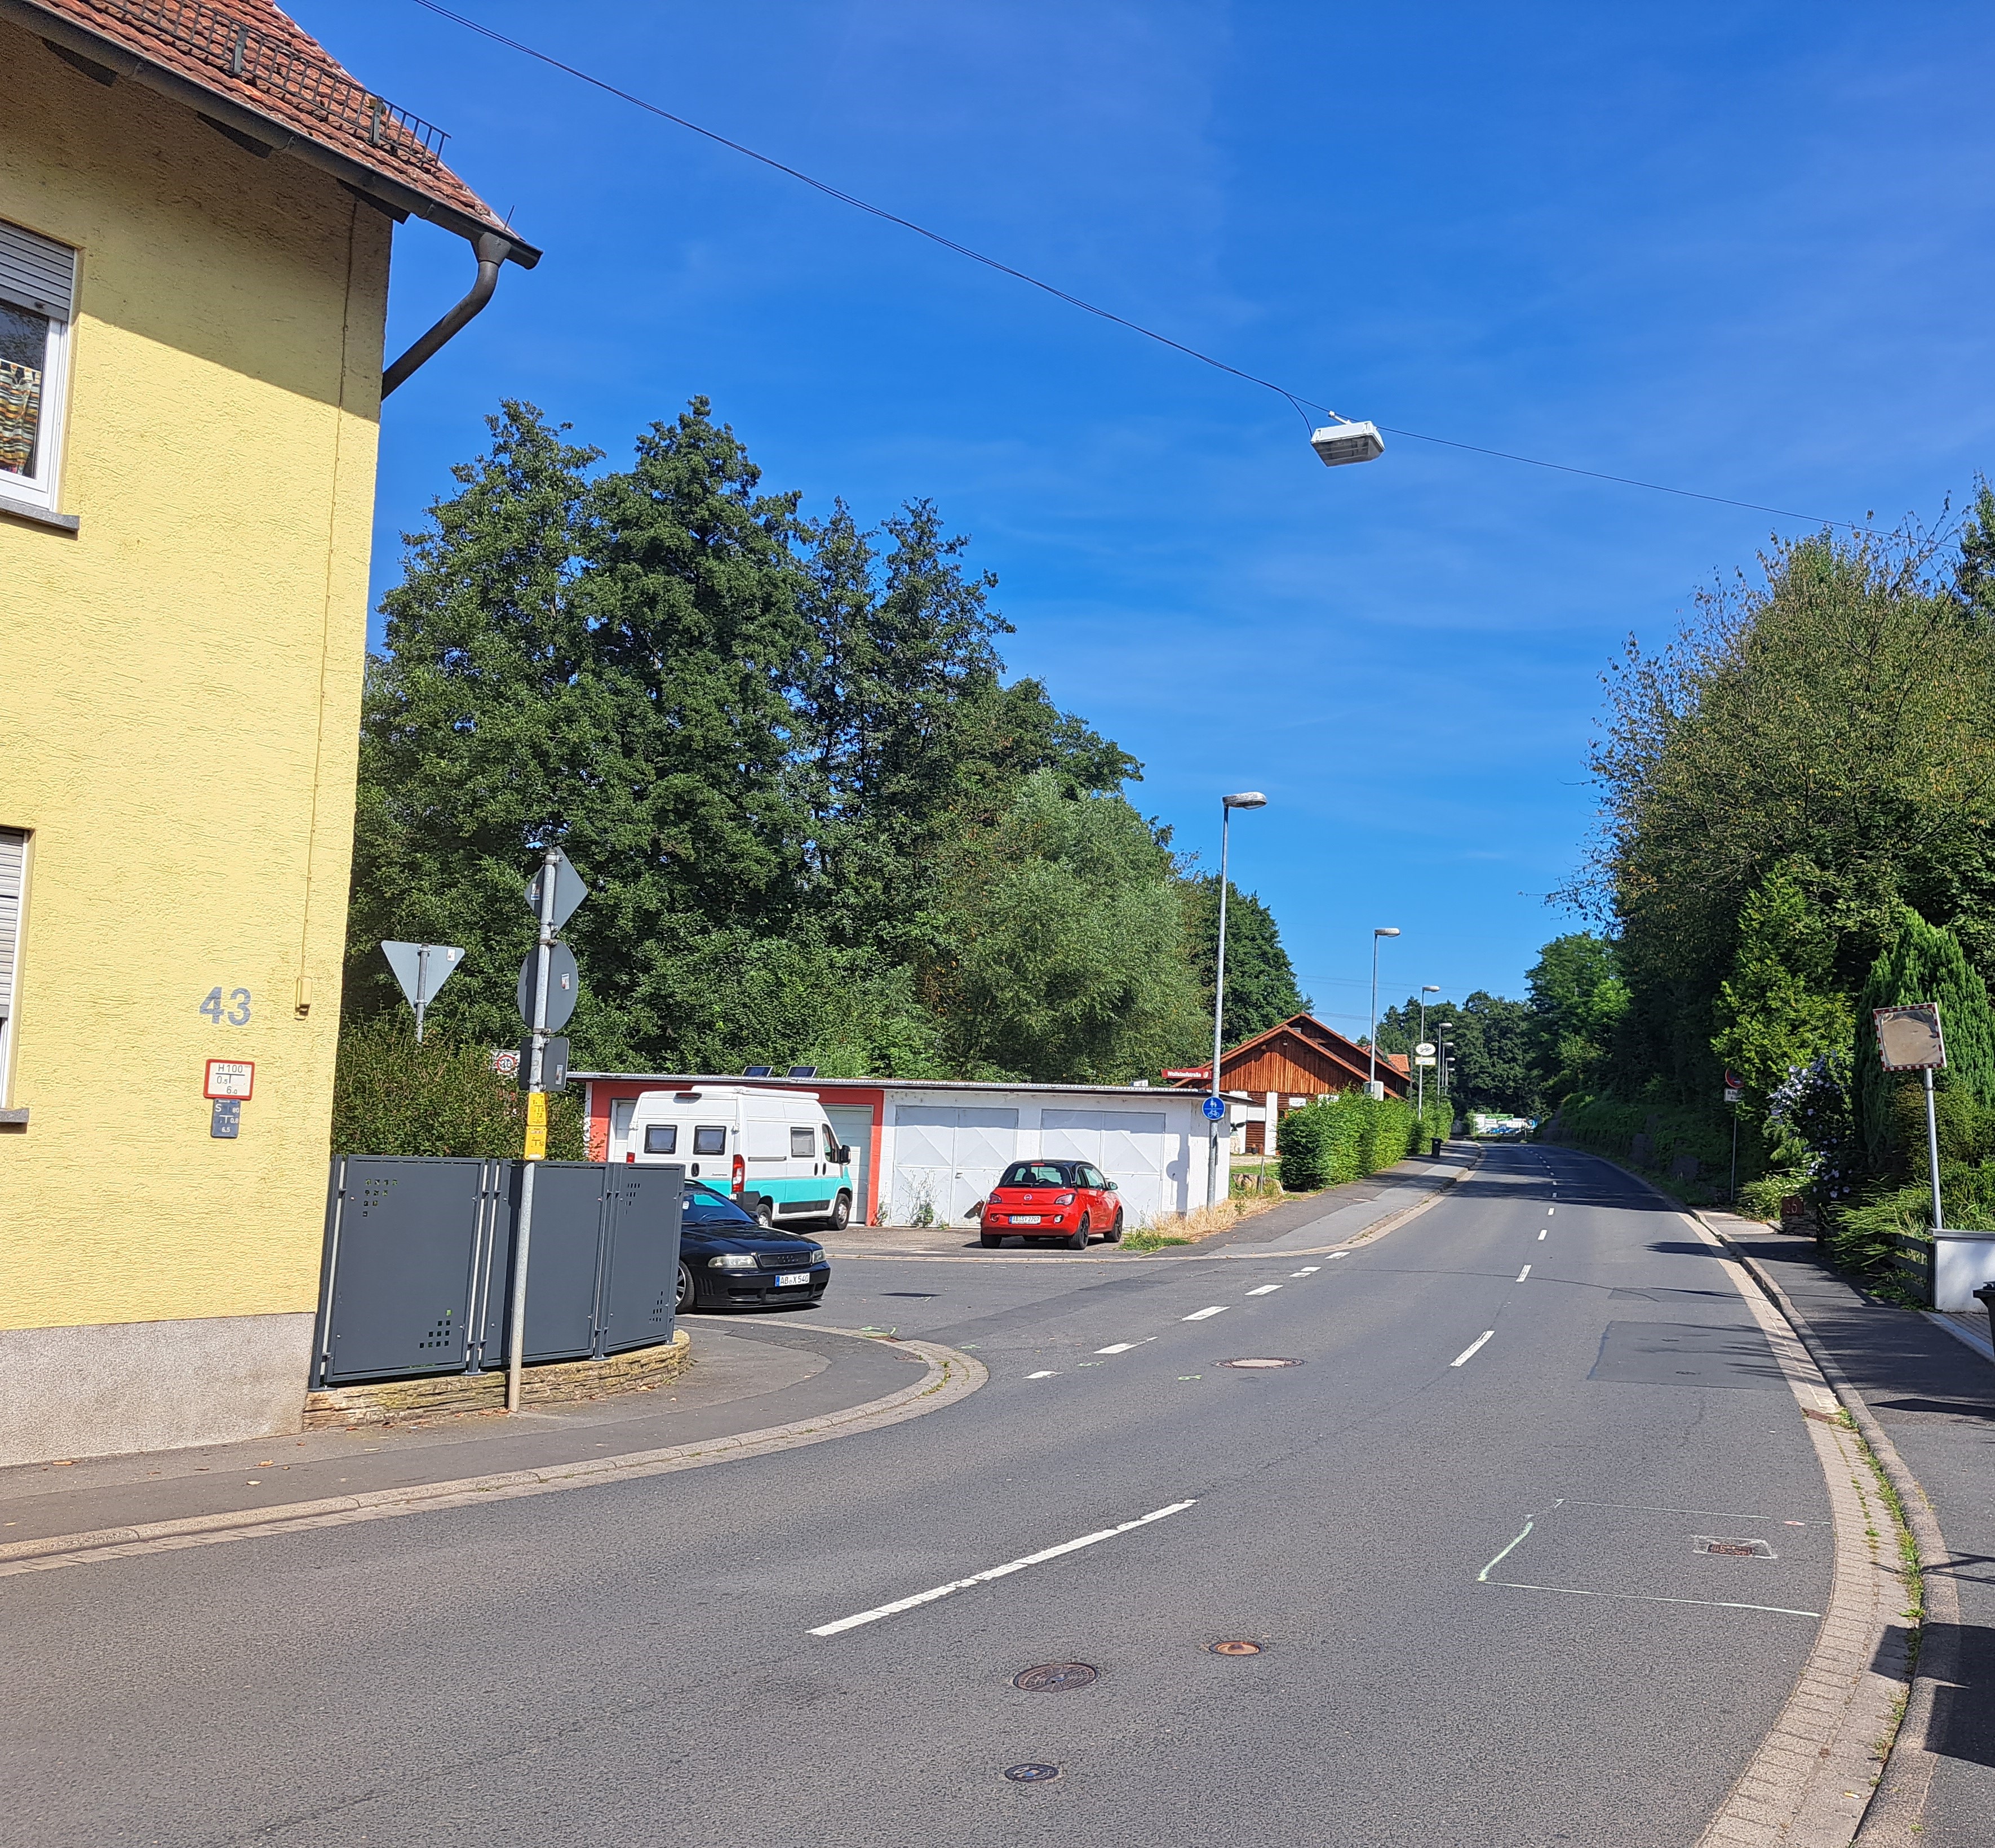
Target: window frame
<point>668,1131</point>
<point>807,1133</point>
<point>703,1132</point>
<point>8,1040</point>
<point>42,489</point>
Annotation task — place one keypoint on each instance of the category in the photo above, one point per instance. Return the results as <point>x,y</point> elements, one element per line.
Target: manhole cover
<point>1049,1678</point>
<point>1260,1362</point>
<point>1735,1549</point>
<point>1234,1648</point>
<point>1031,1774</point>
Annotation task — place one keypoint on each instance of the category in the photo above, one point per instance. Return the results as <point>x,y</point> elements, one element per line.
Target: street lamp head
<point>1430,987</point>
<point>1386,930</point>
<point>1344,442</point>
<point>1247,798</point>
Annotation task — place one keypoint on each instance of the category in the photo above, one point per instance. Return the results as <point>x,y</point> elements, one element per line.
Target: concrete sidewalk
<point>1933,1396</point>
<point>744,1376</point>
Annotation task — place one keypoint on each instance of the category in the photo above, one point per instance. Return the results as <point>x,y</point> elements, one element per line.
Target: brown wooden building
<point>1292,1063</point>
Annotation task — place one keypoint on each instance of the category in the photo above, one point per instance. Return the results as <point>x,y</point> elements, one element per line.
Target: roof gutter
<point>119,60</point>
<point>492,250</point>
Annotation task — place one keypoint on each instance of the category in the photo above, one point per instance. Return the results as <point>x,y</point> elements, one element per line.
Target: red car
<point>1069,1201</point>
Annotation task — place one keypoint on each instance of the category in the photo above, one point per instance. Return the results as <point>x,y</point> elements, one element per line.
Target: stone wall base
<point>107,1389</point>
<point>393,1401</point>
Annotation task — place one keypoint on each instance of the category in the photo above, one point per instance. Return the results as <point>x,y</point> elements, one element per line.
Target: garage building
<point>929,1153</point>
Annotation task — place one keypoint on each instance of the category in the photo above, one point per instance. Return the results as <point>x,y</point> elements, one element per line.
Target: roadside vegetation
<point>1799,803</point>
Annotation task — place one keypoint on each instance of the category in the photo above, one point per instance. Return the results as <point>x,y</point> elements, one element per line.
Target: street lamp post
<point>1371,1067</point>
<point>1250,798</point>
<point>1420,1071</point>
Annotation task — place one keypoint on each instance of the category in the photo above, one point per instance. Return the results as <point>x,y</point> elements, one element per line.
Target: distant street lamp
<point>1250,798</point>
<point>1420,1071</point>
<point>1371,1071</point>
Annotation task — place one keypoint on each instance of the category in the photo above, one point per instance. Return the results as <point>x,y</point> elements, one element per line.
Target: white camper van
<point>775,1151</point>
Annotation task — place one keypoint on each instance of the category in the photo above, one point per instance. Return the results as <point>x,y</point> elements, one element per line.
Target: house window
<point>13,871</point>
<point>37,286</point>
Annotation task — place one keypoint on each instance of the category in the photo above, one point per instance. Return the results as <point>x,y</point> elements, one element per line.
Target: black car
<point>727,1260</point>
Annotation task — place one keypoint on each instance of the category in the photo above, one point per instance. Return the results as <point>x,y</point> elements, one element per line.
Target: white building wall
<point>942,1148</point>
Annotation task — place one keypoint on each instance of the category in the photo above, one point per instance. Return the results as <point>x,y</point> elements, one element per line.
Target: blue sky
<point>1744,249</point>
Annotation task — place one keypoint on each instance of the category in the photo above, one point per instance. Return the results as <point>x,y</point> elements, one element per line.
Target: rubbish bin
<point>1434,1145</point>
<point>1986,1296</point>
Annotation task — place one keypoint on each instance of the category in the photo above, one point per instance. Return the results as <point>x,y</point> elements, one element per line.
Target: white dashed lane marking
<point>1122,1347</point>
<point>1265,1290</point>
<point>1468,1353</point>
<point>1306,1270</point>
<point>1046,1375</point>
<point>1200,1315</point>
<point>1541,1234</point>
<point>999,1572</point>
<point>1523,1273</point>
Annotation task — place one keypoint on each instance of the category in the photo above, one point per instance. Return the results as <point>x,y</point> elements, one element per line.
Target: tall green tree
<point>1062,954</point>
<point>1780,1008</point>
<point>1839,715</point>
<point>1577,1000</point>
<point>1494,1065</point>
<point>1921,964</point>
<point>1261,990</point>
<point>594,663</point>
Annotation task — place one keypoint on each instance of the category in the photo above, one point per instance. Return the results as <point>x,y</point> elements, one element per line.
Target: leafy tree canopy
<point>1261,990</point>
<point>817,822</point>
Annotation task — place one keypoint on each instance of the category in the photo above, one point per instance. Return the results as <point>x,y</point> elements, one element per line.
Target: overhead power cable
<point>1297,401</point>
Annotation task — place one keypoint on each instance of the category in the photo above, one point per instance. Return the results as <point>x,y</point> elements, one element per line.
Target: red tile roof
<point>256,62</point>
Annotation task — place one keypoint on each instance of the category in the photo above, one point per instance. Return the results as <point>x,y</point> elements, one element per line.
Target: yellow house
<point>197,205</point>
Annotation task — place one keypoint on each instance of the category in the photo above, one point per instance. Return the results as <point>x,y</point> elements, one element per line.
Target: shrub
<point>392,1096</point>
<point>1337,1139</point>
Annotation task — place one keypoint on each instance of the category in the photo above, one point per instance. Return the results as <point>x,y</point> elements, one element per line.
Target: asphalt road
<point>635,1663</point>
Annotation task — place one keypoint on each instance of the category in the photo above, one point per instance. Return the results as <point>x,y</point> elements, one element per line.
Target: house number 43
<point>235,1009</point>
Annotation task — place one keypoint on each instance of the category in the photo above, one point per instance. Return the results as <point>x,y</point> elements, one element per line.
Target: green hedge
<point>393,1097</point>
<point>1338,1139</point>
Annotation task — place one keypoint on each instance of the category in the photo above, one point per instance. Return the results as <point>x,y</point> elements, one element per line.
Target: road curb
<point>948,1375</point>
<point>1893,1819</point>
<point>1812,1781</point>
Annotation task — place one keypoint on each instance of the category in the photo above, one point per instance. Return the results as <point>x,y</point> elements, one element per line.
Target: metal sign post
<point>552,898</point>
<point>1735,1094</point>
<point>1909,1040</point>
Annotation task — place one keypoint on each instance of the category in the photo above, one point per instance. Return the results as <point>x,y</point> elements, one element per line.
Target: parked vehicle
<point>1065,1201</point>
<point>728,1259</point>
<point>774,1151</point>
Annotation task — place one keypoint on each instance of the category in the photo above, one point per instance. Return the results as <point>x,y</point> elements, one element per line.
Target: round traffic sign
<point>1214,1108</point>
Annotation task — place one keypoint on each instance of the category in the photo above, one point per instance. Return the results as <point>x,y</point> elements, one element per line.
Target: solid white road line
<point>1047,1374</point>
<point>1122,1347</point>
<point>1466,1352</point>
<point>998,1572</point>
<point>1265,1290</point>
<point>1523,1273</point>
<point>1200,1315</point>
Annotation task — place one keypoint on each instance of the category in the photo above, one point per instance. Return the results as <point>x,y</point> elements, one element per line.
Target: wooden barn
<point>1289,1065</point>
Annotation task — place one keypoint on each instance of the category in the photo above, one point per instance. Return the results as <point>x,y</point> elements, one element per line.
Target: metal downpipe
<point>492,251</point>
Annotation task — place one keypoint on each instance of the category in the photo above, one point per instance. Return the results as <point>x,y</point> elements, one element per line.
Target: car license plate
<point>792,1277</point>
<point>1024,1219</point>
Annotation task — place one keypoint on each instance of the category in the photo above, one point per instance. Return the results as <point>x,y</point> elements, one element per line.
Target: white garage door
<point>1129,1146</point>
<point>947,1158</point>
